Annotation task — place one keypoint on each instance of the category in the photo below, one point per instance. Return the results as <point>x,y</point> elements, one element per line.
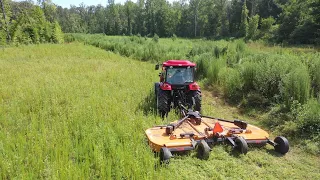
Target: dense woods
<point>279,21</point>
<point>276,20</point>
<point>28,23</point>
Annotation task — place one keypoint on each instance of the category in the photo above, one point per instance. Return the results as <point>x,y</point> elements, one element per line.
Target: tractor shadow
<point>148,104</point>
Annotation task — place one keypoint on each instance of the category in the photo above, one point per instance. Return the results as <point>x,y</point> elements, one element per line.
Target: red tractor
<point>177,88</point>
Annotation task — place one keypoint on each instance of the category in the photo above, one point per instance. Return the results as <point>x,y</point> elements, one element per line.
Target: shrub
<point>57,34</point>
<point>174,37</point>
<point>214,66</point>
<point>155,38</point>
<point>309,119</point>
<point>248,73</point>
<point>296,86</point>
<point>202,65</point>
<point>231,82</point>
<point>314,69</point>
<point>216,51</point>
<point>240,46</point>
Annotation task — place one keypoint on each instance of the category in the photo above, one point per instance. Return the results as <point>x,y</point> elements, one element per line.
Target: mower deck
<point>193,130</point>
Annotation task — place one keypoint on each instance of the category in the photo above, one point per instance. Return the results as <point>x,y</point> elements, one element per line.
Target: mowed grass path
<point>77,112</point>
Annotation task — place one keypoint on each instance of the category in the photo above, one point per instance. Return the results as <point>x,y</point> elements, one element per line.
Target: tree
<point>49,9</point>
<point>194,6</point>
<point>235,17</point>
<point>140,24</point>
<point>252,27</point>
<point>4,23</point>
<point>129,11</point>
<point>243,31</point>
<point>150,17</point>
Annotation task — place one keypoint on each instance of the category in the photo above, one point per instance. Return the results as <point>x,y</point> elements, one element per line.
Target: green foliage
<point>298,23</point>
<point>314,67</point>
<point>75,106</point>
<point>243,30</point>
<point>231,82</point>
<point>3,37</point>
<point>309,119</point>
<point>5,16</point>
<point>57,34</point>
<point>29,25</point>
<point>174,37</point>
<point>253,27</point>
<point>296,85</point>
<point>266,28</point>
<point>216,51</point>
<point>155,38</point>
<point>213,69</point>
<point>249,71</point>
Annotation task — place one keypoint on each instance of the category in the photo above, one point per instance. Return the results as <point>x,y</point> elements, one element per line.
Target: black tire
<point>203,150</point>
<point>163,102</point>
<point>156,88</point>
<point>282,145</point>
<point>241,145</point>
<point>165,155</point>
<point>195,100</point>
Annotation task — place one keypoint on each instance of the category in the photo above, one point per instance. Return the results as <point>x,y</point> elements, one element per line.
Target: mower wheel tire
<point>241,145</point>
<point>165,155</point>
<point>282,145</point>
<point>203,150</point>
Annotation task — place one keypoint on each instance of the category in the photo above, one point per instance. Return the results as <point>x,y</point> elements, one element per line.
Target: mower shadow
<point>237,154</point>
<point>148,104</point>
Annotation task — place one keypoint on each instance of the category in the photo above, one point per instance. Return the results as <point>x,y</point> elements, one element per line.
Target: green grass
<point>78,112</point>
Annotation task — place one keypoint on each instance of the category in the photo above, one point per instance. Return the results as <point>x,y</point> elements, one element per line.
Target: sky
<point>67,3</point>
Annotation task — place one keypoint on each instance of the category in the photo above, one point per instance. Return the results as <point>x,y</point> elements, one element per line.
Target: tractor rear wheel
<point>163,102</point>
<point>195,100</point>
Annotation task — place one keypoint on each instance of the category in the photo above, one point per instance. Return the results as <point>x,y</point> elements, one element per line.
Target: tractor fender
<point>194,86</point>
<point>165,86</point>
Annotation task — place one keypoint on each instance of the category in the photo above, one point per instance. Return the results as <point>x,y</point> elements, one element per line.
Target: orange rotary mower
<point>196,132</point>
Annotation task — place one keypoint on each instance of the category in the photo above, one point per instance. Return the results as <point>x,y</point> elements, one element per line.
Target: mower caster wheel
<point>282,145</point>
<point>203,150</point>
<point>241,145</point>
<point>165,155</point>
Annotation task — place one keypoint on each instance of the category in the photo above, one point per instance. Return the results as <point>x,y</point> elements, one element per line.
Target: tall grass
<point>74,112</point>
<point>252,75</point>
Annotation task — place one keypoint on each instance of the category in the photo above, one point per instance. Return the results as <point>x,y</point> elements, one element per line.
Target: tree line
<point>296,22</point>
<point>28,23</point>
<point>280,21</point>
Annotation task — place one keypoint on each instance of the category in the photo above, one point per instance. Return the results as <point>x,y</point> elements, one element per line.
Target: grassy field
<point>78,112</point>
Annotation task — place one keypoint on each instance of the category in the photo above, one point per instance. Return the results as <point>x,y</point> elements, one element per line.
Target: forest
<point>274,21</point>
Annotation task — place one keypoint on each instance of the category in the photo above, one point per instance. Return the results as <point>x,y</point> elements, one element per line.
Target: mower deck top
<point>188,131</point>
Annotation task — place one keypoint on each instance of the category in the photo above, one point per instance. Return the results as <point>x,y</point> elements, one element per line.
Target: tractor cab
<point>177,73</point>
